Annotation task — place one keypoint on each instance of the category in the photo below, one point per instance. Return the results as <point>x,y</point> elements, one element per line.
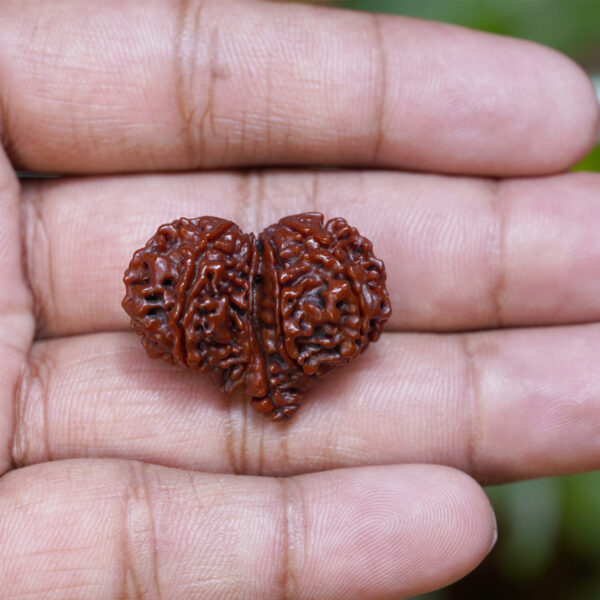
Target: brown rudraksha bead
<point>271,314</point>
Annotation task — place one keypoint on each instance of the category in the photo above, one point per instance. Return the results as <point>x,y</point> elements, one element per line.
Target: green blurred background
<point>549,544</point>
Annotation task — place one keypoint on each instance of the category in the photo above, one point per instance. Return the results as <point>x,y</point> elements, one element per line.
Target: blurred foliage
<point>549,529</point>
<point>590,163</point>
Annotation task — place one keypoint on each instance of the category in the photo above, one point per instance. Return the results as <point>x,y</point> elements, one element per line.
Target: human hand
<point>119,471</point>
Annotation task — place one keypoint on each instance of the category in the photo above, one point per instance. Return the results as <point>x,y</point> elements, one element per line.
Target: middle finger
<point>460,253</point>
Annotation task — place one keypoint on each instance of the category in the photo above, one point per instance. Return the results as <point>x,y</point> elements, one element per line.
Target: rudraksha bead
<point>271,314</point>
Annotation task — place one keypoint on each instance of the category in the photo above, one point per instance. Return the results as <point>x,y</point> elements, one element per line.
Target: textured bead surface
<point>271,314</point>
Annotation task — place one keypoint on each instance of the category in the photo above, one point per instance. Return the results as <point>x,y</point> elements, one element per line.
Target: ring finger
<point>446,399</point>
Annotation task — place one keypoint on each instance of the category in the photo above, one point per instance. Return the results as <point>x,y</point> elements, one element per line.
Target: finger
<point>108,529</point>
<point>500,405</point>
<point>103,87</point>
<point>460,254</point>
<point>16,317</point>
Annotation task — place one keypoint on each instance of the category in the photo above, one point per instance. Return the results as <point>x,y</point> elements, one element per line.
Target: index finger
<point>103,87</point>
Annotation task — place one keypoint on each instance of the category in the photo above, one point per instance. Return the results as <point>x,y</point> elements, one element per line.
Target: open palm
<point>119,471</point>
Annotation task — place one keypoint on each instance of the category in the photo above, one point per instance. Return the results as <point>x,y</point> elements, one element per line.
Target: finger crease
<point>236,425</point>
<point>242,204</point>
<point>381,88</point>
<point>185,69</point>
<point>285,464</point>
<point>197,68</point>
<point>260,200</point>
<point>293,536</point>
<point>498,288</point>
<point>229,436</point>
<point>314,197</point>
<point>251,200</point>
<point>16,441</point>
<point>31,406</point>
<point>260,461</point>
<point>138,538</point>
<point>36,236</point>
<point>472,380</point>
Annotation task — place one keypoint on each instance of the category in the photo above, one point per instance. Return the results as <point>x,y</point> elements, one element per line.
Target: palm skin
<point>121,474</point>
